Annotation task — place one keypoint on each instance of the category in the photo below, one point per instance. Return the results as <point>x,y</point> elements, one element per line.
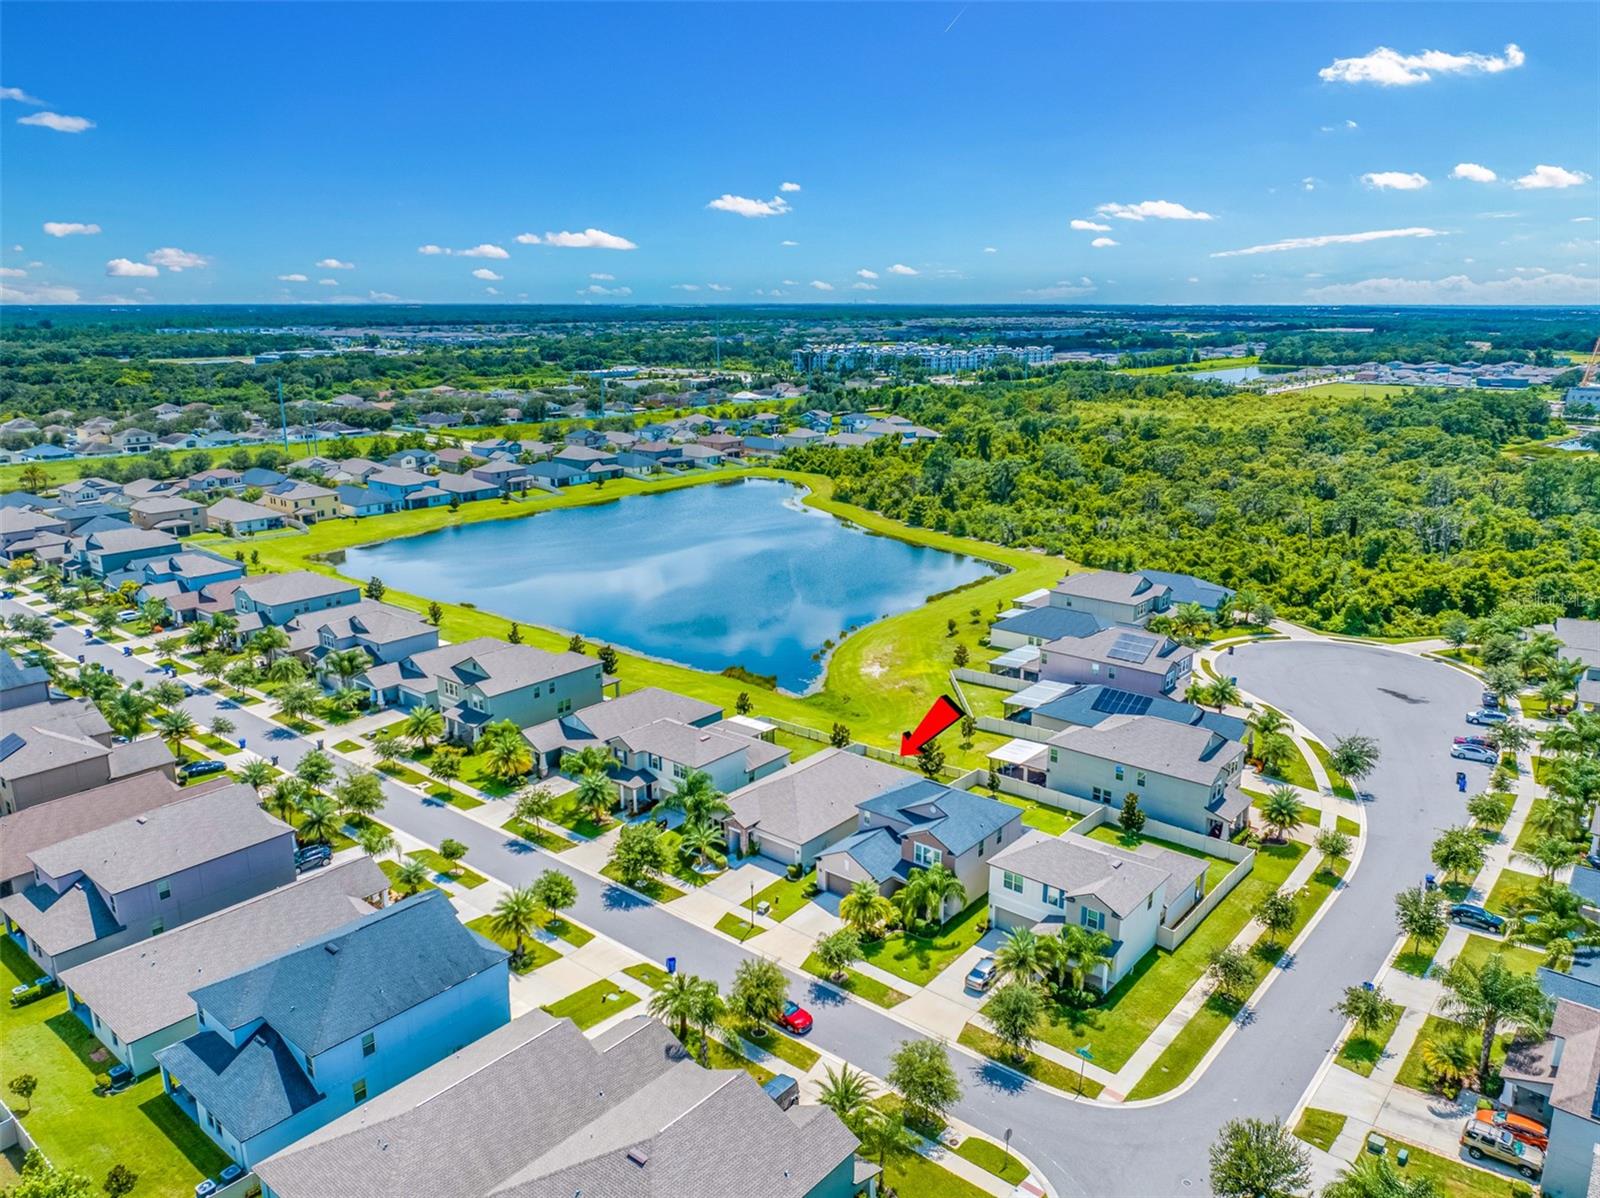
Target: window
<point>1118,773</point>
<point>1054,756</point>
<point>164,888</point>
<point>1094,667</point>
<point>926,855</point>
<point>678,771</point>
<point>1111,671</point>
<point>1054,896</point>
<point>369,1044</point>
<point>311,1068</point>
<point>1011,881</point>
<point>1094,920</point>
<point>358,1092</point>
<point>157,926</point>
<point>1150,900</point>
<point>1101,794</point>
<point>1139,778</point>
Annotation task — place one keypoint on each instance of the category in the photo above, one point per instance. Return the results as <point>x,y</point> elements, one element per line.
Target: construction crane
<point>1594,365</point>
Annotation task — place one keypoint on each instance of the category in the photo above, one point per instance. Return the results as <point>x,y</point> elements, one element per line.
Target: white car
<point>1475,753</point>
<point>1486,715</point>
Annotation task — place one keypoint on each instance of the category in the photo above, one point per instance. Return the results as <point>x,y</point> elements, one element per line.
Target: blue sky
<point>1407,153</point>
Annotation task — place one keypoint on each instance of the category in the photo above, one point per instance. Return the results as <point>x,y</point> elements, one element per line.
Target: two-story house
<point>278,598</point>
<point>483,681</point>
<point>384,632</point>
<point>136,878</point>
<point>109,552</point>
<point>290,1044</point>
<point>1111,595</point>
<point>600,724</point>
<point>1187,775</point>
<point>192,571</point>
<point>172,514</point>
<point>406,488</point>
<point>239,517</point>
<point>61,746</point>
<point>136,1000</point>
<point>919,825</point>
<point>305,502</point>
<point>1046,883</point>
<point>655,758</point>
<point>1128,659</point>
<point>22,524</point>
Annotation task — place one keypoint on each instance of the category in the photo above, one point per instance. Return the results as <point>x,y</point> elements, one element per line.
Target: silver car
<point>982,975</point>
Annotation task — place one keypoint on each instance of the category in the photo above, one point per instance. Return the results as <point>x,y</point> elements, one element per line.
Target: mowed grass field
<point>880,680</point>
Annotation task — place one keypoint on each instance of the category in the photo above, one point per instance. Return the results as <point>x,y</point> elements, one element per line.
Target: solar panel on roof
<point>1130,648</point>
<point>1115,702</point>
<point>9,744</point>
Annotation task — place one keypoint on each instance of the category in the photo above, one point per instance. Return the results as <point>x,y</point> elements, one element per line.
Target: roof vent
<point>1116,865</point>
<point>333,949</point>
<point>638,1157</point>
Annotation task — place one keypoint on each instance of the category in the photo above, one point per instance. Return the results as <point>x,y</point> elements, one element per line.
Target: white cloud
<point>819,285</point>
<point>601,277</point>
<point>1473,173</point>
<point>486,250</point>
<point>1460,289</point>
<point>589,239</point>
<point>38,293</point>
<point>292,279</point>
<point>1309,183</point>
<point>1101,243</point>
<point>1065,289</point>
<point>1153,209</point>
<point>12,272</point>
<point>176,260</point>
<point>989,249</point>
<point>1345,124</point>
<point>327,282</point>
<point>487,275</point>
<point>383,297</point>
<point>686,286</point>
<point>335,264</point>
<point>1543,177</point>
<point>863,286</point>
<point>1194,278</point>
<point>788,187</point>
<point>54,120</point>
<point>900,268</point>
<point>1089,226</point>
<point>1390,68</point>
<point>791,282</point>
<point>864,273</point>
<point>1582,220</point>
<point>529,238</point>
<point>744,206</point>
<point>432,250</point>
<point>788,243</point>
<point>70,228</point>
<point>717,287</point>
<point>491,291</point>
<point>597,289</point>
<point>1395,180</point>
<point>125,268</point>
<point>20,96</point>
<point>1311,243</point>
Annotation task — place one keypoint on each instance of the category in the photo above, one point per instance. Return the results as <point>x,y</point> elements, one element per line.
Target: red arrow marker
<point>944,713</point>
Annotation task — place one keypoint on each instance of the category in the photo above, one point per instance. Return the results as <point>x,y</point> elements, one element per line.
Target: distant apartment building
<point>931,356</point>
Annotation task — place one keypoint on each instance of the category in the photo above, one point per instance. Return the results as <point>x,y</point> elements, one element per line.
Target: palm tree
<point>1282,811</point>
<point>759,992</point>
<point>1021,955</point>
<point>424,726</point>
<point>286,669</point>
<point>375,841</point>
<point>1355,757</point>
<point>883,1135</point>
<point>939,888</point>
<point>1224,693</point>
<point>268,641</point>
<point>255,773</point>
<point>298,699</point>
<point>283,800</point>
<point>864,909</point>
<point>1190,619</point>
<point>1448,1059</point>
<point>702,842</point>
<point>1552,915</point>
<point>698,798</point>
<point>201,635</point>
<point>675,1002</point>
<point>167,693</point>
<point>1085,951</point>
<point>846,1093</point>
<point>705,1013</point>
<point>595,794</point>
<point>174,725</point>
<point>346,664</point>
<point>320,820</point>
<point>1578,735</point>
<point>591,759</point>
<point>412,875</point>
<point>506,754</point>
<point>1376,1177</point>
<point>516,915</point>
<point>126,713</point>
<point>1551,853</point>
<point>1493,996</point>
<point>909,899</point>
<point>386,748</point>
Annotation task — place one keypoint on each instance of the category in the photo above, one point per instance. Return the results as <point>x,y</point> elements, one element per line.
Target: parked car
<point>1486,715</point>
<point>1482,1140</point>
<point>199,769</point>
<point>1477,917</point>
<point>1473,740</point>
<point>127,616</point>
<point>795,1018</point>
<point>1475,753</point>
<point>1490,699</point>
<point>1529,1131</point>
<point>982,975</point>
<point>312,856</point>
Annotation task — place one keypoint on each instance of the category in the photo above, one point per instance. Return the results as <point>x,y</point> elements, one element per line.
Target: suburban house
<point>22,684</point>
<point>21,524</point>
<point>803,810</point>
<point>1046,883</point>
<point>363,501</point>
<point>62,746</point>
<point>45,824</point>
<point>288,1045</point>
<point>191,571</point>
<point>1582,639</point>
<point>173,514</point>
<point>238,517</point>
<point>654,759</point>
<point>1090,706</point>
<point>485,680</point>
<point>919,825</point>
<point>504,476</point>
<point>554,475</point>
<point>1128,658</point>
<point>1185,775</point>
<point>1041,625</point>
<point>406,488</point>
<point>1555,1082</point>
<point>384,632</point>
<point>103,553</point>
<point>305,502</point>
<point>600,724</point>
<point>1185,588</point>
<point>1112,596</point>
<point>467,488</point>
<point>508,1115</point>
<point>278,598</point>
<point>136,1000</point>
<point>133,440</point>
<point>219,479</point>
<point>412,459</point>
<point>100,890</point>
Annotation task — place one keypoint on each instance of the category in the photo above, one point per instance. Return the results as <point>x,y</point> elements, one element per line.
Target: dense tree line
<point>1380,514</point>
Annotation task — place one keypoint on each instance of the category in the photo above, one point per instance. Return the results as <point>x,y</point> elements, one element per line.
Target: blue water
<point>710,576</point>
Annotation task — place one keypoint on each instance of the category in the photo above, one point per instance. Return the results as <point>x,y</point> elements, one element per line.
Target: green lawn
<point>993,1159</point>
<point>1540,766</point>
<point>800,747</point>
<point>595,1002</point>
<point>720,1056</point>
<point>1455,1178</point>
<point>1319,1128</point>
<point>651,975</point>
<point>738,927</point>
<point>1361,1053</point>
<point>784,897</point>
<point>1050,820</point>
<point>1412,1071</point>
<point>786,1048</point>
<point>459,799</point>
<point>1417,960</point>
<point>1038,1068</point>
<point>401,773</point>
<point>564,810</point>
<point>391,870</point>
<point>1480,948</point>
<point>141,1127</point>
<point>1179,1059</point>
<point>296,724</point>
<point>919,959</point>
<point>348,746</point>
<point>548,841</point>
<point>563,928</point>
<point>1508,890</point>
<point>1348,826</point>
<point>1217,868</point>
<point>652,888</point>
<point>216,744</point>
<point>919,1177</point>
<point>859,984</point>
<point>535,952</point>
<point>1341,787</point>
<point>457,873</point>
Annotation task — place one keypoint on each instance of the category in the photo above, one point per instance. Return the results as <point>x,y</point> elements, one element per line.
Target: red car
<point>795,1018</point>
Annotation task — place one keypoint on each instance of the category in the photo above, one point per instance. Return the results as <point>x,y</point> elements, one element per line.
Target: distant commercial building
<point>931,356</point>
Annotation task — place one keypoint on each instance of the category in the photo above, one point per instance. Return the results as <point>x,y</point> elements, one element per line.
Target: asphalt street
<point>1412,705</point>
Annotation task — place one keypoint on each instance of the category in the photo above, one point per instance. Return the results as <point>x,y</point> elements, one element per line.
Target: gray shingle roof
<point>535,1109</point>
<point>699,747</point>
<point>1049,623</point>
<point>1154,651</point>
<point>1186,588</point>
<point>239,511</point>
<point>342,984</point>
<point>958,818</point>
<point>296,586</point>
<point>14,674</point>
<point>1110,586</point>
<point>614,717</point>
<point>59,922</point>
<point>249,1089</point>
<point>145,987</point>
<point>502,668</point>
<point>876,851</point>
<point>1120,880</point>
<point>171,838</point>
<point>1148,743</point>
<point>813,796</point>
<point>45,824</point>
<point>1094,703</point>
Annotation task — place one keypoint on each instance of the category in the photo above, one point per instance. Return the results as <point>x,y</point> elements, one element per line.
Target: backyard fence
<point>865,750</point>
<point>983,678</point>
<point>989,723</point>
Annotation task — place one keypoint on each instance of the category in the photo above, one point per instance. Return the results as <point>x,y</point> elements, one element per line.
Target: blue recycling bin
<point>672,965</point>
<point>127,650</point>
<point>1461,781</point>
